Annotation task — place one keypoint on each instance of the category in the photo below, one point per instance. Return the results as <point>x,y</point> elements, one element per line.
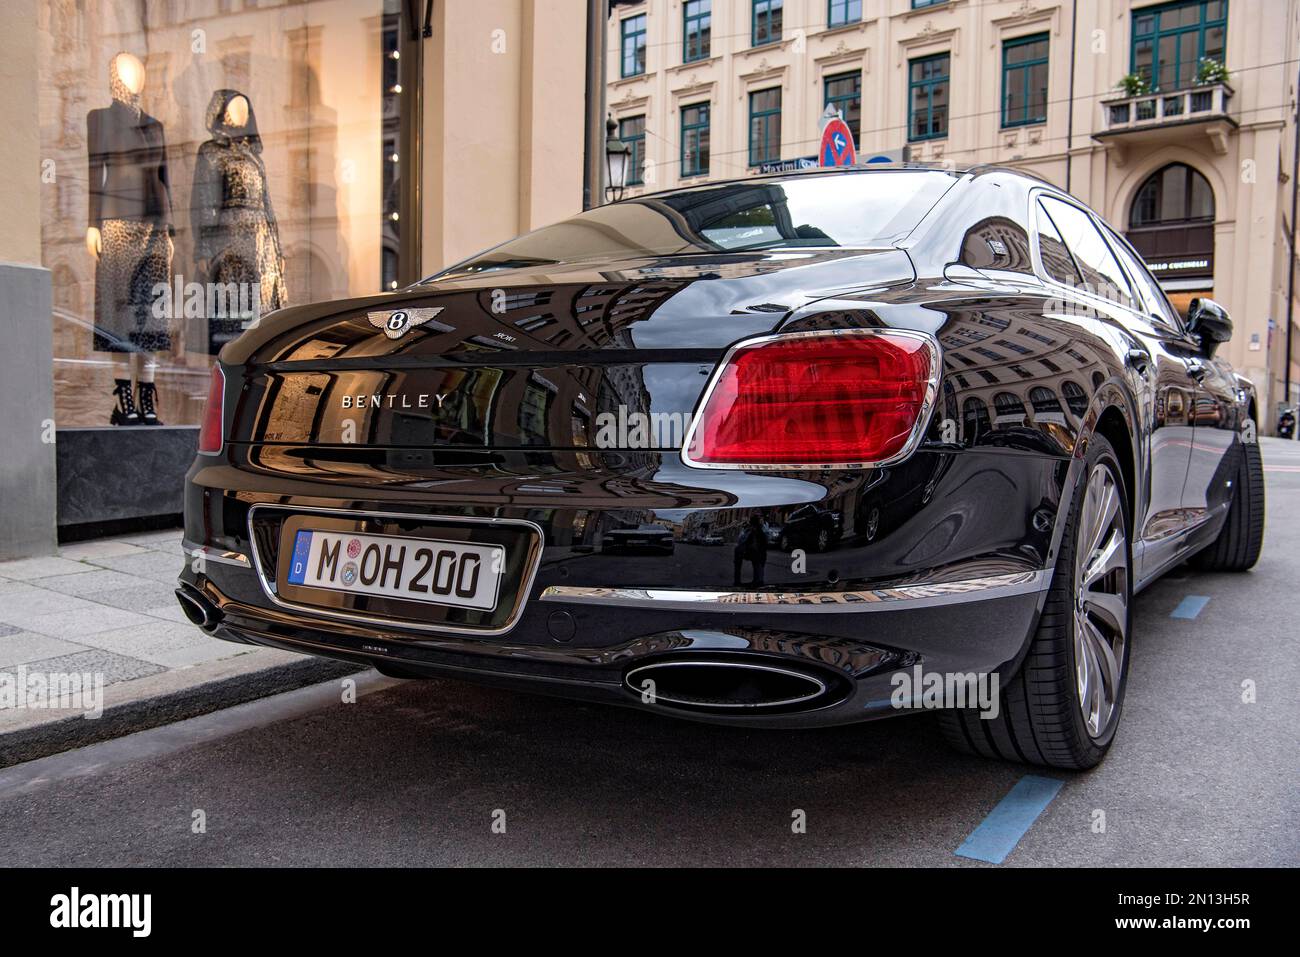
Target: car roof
<point>978,170</point>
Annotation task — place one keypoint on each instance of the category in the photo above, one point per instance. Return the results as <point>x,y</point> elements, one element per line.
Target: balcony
<point>1168,116</point>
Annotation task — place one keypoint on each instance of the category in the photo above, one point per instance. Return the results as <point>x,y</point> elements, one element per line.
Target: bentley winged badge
<point>396,322</point>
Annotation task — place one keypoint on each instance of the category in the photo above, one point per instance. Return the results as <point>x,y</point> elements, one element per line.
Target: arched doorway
<point>1171,223</point>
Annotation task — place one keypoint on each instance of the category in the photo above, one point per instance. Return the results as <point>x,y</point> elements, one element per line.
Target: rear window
<point>854,210</point>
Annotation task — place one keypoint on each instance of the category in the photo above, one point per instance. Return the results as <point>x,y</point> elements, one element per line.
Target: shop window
<point>257,166</point>
<point>1175,194</point>
<point>1171,223</point>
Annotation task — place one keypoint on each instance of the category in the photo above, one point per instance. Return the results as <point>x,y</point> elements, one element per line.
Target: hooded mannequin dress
<point>233,222</point>
<point>130,204</point>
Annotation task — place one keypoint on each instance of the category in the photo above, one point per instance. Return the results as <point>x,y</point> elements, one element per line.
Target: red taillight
<point>214,414</point>
<point>815,399</point>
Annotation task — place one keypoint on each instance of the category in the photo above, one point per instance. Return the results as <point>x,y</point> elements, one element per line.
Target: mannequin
<point>129,235</point>
<point>236,236</point>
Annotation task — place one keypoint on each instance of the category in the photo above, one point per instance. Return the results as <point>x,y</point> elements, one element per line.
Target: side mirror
<point>1209,322</point>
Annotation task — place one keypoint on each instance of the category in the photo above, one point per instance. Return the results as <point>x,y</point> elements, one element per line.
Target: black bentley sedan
<point>428,480</point>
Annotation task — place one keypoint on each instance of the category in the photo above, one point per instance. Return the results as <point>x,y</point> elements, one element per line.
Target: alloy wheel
<point>1101,619</point>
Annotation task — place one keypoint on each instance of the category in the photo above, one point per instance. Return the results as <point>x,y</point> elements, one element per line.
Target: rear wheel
<point>1063,706</point>
<point>1237,547</point>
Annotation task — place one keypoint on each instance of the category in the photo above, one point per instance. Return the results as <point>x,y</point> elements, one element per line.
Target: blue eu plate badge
<point>301,551</point>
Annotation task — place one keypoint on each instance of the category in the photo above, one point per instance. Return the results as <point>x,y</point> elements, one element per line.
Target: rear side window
<point>1102,275</point>
<point>1051,249</point>
<point>1157,304</point>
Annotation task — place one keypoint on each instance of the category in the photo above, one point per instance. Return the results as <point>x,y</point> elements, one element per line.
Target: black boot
<point>125,413</point>
<point>148,416</point>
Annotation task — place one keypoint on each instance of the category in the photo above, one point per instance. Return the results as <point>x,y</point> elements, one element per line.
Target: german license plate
<point>441,573</point>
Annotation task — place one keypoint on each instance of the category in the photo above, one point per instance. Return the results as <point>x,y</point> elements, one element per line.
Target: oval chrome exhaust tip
<point>198,609</point>
<point>713,684</point>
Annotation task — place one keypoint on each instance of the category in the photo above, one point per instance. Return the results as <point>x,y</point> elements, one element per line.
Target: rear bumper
<point>572,643</point>
<point>949,576</point>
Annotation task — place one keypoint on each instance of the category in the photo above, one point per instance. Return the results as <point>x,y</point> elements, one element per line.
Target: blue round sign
<point>837,147</point>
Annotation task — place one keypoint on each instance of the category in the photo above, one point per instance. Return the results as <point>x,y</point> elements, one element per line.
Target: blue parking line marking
<point>1190,606</point>
<point>1000,832</point>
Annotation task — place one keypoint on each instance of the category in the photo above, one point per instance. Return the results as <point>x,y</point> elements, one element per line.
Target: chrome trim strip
<point>715,663</point>
<point>210,554</point>
<point>914,440</point>
<point>521,599</point>
<point>895,598</point>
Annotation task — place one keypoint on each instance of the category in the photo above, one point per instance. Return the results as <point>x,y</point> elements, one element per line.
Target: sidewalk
<point>106,607</point>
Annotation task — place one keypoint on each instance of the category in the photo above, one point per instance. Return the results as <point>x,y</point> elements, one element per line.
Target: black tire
<point>1237,547</point>
<point>1039,720</point>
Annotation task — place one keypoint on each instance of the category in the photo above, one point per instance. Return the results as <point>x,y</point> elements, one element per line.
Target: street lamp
<point>617,157</point>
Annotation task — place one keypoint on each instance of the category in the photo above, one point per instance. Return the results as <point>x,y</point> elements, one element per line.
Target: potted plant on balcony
<point>1210,71</point>
<point>1133,84</point>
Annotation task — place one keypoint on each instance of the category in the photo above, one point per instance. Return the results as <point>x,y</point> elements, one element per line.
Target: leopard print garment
<point>135,256</point>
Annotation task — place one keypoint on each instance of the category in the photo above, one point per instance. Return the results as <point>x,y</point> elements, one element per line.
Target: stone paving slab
<point>106,607</point>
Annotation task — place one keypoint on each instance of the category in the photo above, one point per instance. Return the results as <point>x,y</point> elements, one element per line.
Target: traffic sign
<point>837,147</point>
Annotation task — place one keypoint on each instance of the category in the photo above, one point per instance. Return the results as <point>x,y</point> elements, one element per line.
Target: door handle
<point>1140,361</point>
<point>1197,369</point>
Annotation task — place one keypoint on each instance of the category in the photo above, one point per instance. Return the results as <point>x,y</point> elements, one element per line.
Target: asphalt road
<point>417,773</point>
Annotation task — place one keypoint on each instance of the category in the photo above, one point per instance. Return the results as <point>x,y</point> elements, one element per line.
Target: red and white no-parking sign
<point>837,147</point>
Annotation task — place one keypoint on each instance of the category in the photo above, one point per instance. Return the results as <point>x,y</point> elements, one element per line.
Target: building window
<point>1169,41</point>
<point>766,25</point>
<point>918,4</point>
<point>695,140</point>
<point>1176,194</point>
<point>1024,80</point>
<point>765,126</point>
<point>697,19</point>
<point>840,12</point>
<point>633,45</point>
<point>1171,223</point>
<point>844,92</point>
<point>631,130</point>
<point>927,97</point>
